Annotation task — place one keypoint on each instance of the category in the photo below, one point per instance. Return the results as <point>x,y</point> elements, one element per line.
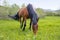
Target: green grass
<point>48,29</point>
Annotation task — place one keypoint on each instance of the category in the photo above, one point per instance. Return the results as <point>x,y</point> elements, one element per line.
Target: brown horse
<point>25,13</point>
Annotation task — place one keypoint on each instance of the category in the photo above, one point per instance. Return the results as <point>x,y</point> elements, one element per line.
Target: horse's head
<point>35,28</point>
<point>15,17</point>
<point>35,24</point>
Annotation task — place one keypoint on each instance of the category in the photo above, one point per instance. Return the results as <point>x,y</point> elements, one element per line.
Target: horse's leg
<point>21,22</point>
<point>24,24</point>
<point>30,24</point>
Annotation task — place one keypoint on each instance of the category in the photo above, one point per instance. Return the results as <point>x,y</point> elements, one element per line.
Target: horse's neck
<point>34,21</point>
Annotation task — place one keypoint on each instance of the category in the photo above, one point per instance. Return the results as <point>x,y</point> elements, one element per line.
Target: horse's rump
<point>23,12</point>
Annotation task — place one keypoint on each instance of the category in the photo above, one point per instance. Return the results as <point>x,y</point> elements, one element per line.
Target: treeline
<point>5,11</point>
<point>52,13</point>
<point>48,12</point>
<point>12,10</point>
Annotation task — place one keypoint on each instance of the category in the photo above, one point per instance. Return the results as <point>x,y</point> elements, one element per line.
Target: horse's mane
<point>31,11</point>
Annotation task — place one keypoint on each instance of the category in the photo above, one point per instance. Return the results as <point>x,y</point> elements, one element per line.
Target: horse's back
<point>23,12</point>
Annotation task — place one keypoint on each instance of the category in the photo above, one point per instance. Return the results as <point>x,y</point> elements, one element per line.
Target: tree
<point>39,10</point>
<point>14,8</point>
<point>5,3</point>
<point>23,5</point>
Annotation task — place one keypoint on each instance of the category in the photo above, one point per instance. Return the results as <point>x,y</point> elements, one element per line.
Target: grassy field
<point>49,29</point>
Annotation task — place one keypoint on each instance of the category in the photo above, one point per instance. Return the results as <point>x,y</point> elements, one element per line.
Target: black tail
<point>15,17</point>
<point>11,16</point>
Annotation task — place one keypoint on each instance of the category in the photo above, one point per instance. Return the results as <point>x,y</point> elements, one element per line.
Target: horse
<point>27,13</point>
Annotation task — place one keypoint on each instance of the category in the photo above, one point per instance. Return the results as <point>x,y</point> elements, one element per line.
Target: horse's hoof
<point>20,27</point>
<point>23,30</point>
<point>29,29</point>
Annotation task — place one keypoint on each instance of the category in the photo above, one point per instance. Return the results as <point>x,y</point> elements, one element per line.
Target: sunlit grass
<point>49,29</point>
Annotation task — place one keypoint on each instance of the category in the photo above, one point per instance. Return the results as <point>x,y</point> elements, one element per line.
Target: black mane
<point>32,13</point>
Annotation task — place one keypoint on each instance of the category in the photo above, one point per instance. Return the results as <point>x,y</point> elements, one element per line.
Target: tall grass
<point>48,29</point>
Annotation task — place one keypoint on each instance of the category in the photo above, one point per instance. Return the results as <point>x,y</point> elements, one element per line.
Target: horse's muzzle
<point>35,28</point>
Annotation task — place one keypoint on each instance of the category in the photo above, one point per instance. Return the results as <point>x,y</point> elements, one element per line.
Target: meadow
<point>48,29</point>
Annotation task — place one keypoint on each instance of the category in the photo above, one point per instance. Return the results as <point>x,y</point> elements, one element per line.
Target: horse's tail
<point>11,16</point>
<point>15,17</point>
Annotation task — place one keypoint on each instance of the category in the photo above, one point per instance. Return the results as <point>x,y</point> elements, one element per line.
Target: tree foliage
<point>13,9</point>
